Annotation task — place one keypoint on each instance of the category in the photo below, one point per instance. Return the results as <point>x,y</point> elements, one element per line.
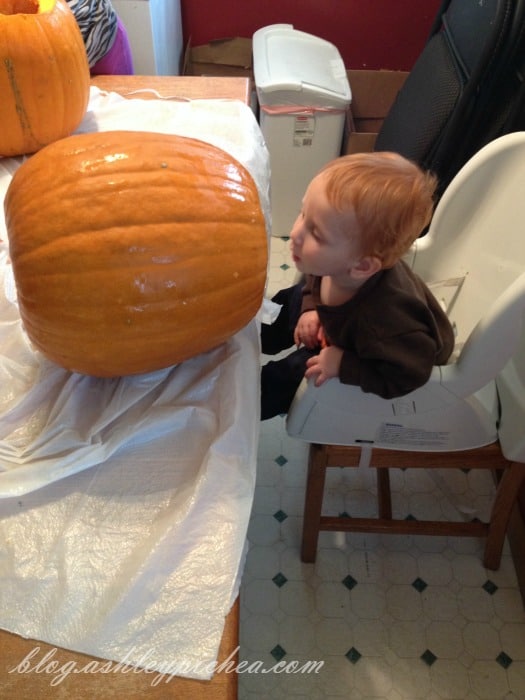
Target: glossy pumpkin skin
<point>134,251</point>
<point>44,74</point>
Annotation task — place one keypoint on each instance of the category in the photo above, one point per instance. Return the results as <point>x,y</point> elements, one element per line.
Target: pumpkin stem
<point>19,7</point>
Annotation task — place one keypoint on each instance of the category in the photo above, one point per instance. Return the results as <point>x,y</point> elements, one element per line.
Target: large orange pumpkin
<point>134,251</point>
<point>44,74</point>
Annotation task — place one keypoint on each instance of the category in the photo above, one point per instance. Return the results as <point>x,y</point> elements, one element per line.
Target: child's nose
<point>297,231</point>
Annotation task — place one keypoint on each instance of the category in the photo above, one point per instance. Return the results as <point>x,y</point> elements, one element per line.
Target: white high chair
<point>471,412</point>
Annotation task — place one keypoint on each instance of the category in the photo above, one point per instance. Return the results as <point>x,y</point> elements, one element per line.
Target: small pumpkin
<point>134,251</point>
<point>44,74</point>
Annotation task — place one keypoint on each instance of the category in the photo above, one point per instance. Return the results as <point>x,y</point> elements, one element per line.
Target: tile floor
<point>391,617</point>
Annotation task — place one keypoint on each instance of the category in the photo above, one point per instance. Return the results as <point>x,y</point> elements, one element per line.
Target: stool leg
<point>384,498</point>
<point>506,494</point>
<point>313,502</point>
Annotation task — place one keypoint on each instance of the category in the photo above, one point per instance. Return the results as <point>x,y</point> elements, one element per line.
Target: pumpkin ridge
<point>161,355</point>
<point>78,147</point>
<point>174,233</point>
<point>68,51</point>
<point>153,265</point>
<point>152,213</point>
<point>149,179</point>
<point>248,287</point>
<point>146,294</point>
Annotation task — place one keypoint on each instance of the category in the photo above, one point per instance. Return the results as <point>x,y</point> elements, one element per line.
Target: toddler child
<point>359,313</point>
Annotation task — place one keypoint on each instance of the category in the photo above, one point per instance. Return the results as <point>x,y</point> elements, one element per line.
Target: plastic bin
<point>304,94</point>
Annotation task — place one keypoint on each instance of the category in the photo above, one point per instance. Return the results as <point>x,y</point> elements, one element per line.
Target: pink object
<point>118,60</point>
<point>299,109</point>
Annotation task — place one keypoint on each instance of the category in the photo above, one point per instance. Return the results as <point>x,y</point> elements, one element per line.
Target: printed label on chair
<point>397,434</point>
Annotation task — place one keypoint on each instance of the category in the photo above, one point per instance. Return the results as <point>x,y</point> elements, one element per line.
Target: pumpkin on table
<point>134,251</point>
<point>44,74</point>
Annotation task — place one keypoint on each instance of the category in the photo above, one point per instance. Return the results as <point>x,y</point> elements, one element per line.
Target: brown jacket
<point>393,331</point>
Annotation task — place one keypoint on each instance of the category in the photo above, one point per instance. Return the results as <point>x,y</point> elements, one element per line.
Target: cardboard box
<point>373,93</point>
<point>220,57</point>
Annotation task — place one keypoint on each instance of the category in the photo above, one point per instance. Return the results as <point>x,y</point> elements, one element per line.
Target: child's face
<point>324,242</point>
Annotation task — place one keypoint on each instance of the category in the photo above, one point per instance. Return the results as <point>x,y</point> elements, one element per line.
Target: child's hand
<point>325,365</point>
<point>307,329</point>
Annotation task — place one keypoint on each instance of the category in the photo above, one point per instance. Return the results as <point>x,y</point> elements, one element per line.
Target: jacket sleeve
<point>390,369</point>
<point>308,303</point>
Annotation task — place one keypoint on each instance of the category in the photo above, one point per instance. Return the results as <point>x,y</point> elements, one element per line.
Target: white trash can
<point>303,94</point>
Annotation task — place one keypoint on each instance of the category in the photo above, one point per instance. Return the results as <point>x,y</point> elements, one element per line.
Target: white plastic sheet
<point>125,502</point>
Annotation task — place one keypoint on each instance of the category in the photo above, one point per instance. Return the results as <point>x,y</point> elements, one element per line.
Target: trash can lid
<point>288,60</point>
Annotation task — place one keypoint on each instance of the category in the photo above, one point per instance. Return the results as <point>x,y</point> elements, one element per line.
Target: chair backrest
<point>475,247</point>
<point>453,100</point>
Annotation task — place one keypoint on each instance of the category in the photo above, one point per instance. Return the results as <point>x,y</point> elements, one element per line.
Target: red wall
<point>368,33</point>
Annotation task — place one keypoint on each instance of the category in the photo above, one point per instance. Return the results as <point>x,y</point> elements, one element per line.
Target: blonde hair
<point>392,198</point>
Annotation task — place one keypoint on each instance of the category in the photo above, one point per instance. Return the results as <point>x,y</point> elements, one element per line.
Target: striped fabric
<point>98,24</point>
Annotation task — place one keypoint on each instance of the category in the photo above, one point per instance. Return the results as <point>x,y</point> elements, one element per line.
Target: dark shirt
<point>392,331</point>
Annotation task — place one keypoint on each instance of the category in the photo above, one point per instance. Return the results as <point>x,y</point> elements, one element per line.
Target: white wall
<point>154,28</point>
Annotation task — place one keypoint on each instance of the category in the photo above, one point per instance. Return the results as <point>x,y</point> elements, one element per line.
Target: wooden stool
<point>509,477</point>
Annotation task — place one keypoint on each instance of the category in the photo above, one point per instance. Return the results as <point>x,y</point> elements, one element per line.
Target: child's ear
<point>366,267</point>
